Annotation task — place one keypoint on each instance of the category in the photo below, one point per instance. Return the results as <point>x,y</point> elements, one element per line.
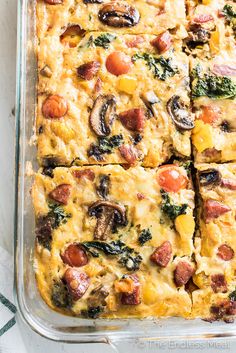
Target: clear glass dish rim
<point>186,329</point>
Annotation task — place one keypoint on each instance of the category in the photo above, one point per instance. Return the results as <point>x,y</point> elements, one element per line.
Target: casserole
<point>32,308</point>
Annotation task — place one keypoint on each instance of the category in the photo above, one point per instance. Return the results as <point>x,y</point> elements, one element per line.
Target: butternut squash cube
<point>202,136</point>
<point>127,84</point>
<point>185,225</point>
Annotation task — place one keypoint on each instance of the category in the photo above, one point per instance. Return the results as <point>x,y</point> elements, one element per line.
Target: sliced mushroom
<point>97,296</point>
<point>104,186</point>
<point>150,99</point>
<point>117,14</point>
<point>209,176</point>
<point>72,30</point>
<point>179,114</point>
<point>103,114</point>
<point>109,216</point>
<point>197,35</point>
<point>46,71</point>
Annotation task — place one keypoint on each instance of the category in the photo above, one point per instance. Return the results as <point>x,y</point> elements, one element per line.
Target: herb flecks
<point>105,145</point>
<point>104,40</point>
<point>161,68</point>
<point>144,236</point>
<point>169,208</point>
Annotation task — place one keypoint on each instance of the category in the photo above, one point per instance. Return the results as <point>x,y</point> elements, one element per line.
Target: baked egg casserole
<point>135,126</point>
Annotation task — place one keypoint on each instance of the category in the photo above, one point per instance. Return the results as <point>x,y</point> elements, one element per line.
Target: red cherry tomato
<point>209,114</point>
<point>118,63</point>
<point>171,179</point>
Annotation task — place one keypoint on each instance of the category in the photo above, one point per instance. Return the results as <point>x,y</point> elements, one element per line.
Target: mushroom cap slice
<point>179,114</point>
<point>118,14</point>
<point>150,99</point>
<point>209,176</point>
<point>103,114</point>
<point>109,215</point>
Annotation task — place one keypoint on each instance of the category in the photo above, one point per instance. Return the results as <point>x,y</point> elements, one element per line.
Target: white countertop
<point>33,342</point>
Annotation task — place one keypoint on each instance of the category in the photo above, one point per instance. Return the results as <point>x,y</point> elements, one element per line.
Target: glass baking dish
<point>32,308</point>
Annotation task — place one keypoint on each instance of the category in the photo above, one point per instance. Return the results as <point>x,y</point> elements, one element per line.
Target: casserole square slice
<point>213,93</point>
<point>211,28</point>
<point>112,99</point>
<point>139,16</point>
<point>114,243</point>
<point>215,243</point>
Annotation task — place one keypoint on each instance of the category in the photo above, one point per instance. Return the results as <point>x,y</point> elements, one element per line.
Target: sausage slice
<point>89,70</point>
<point>214,209</point>
<point>162,255</point>
<point>129,153</point>
<point>77,282</point>
<point>133,119</point>
<point>218,283</point>
<point>61,193</point>
<point>134,297</point>
<point>74,256</point>
<point>162,42</point>
<point>183,272</point>
<point>225,252</point>
<point>84,174</point>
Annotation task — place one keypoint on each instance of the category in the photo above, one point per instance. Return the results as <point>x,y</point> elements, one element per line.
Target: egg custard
<point>215,243</point>
<point>124,86</point>
<point>115,243</point>
<point>113,99</point>
<point>210,27</point>
<point>130,16</point>
<point>213,93</point>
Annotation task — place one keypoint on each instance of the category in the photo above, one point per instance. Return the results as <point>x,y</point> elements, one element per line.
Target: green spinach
<point>169,208</point>
<point>127,256</point>
<point>104,40</point>
<point>105,145</point>
<point>161,68</point>
<point>210,85</point>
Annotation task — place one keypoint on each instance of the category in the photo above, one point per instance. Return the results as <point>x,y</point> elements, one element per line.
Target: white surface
<point>33,342</point>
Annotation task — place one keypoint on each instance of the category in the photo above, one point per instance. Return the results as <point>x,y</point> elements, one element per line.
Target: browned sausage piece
<point>61,193</point>
<point>228,183</point>
<point>89,70</point>
<point>54,107</point>
<point>53,2</point>
<point>74,256</point>
<point>218,283</point>
<point>133,298</point>
<point>225,252</point>
<point>183,272</point>
<point>98,85</point>
<point>162,255</point>
<point>214,209</point>
<point>77,282</point>
<point>129,153</point>
<point>85,173</point>
<point>162,42</point>
<point>133,119</point>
